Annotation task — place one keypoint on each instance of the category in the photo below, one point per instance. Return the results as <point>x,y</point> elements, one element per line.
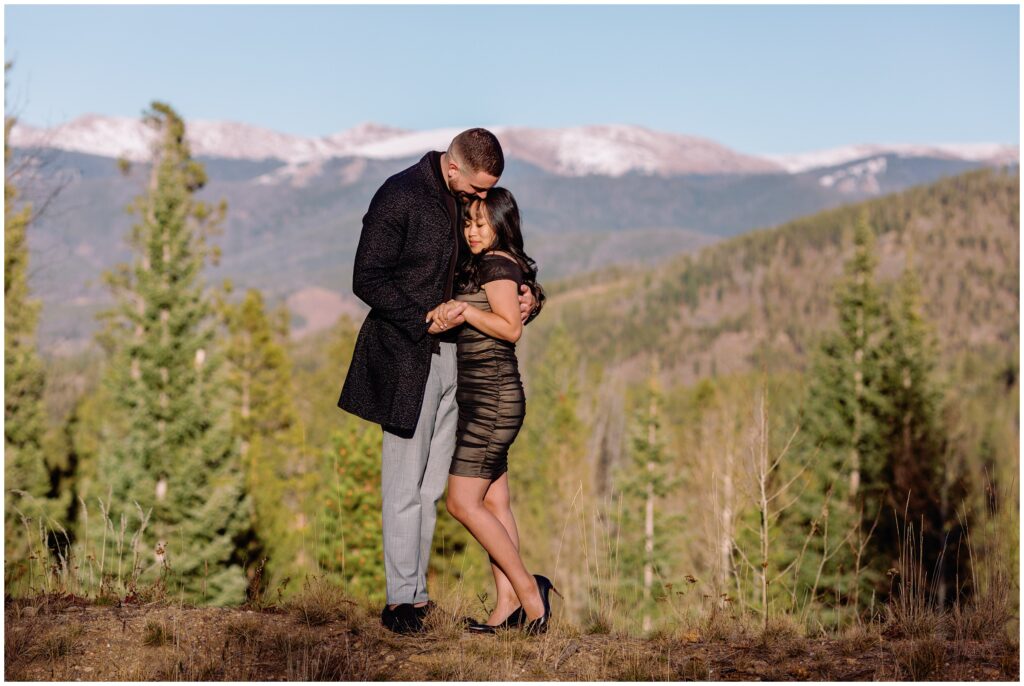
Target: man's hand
<point>445,316</point>
<point>526,303</point>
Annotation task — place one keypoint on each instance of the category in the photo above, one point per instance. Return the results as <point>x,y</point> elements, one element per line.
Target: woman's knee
<point>459,506</point>
<point>495,502</point>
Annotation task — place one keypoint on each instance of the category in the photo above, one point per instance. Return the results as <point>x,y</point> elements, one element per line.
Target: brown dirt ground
<point>65,638</point>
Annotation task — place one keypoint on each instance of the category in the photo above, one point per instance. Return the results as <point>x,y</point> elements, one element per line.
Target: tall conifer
<point>644,526</point>
<point>352,546</point>
<point>177,457</point>
<point>26,475</point>
<point>919,486</point>
<point>265,424</point>
<point>846,401</point>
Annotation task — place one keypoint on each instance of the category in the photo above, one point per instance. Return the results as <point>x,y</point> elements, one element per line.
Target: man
<point>403,372</point>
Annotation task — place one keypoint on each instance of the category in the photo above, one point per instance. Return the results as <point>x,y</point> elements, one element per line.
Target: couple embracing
<point>441,264</point>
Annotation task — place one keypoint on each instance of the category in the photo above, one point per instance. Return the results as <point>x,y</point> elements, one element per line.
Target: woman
<point>492,404</point>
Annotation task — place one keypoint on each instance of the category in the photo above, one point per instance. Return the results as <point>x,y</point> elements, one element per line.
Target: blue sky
<point>759,79</point>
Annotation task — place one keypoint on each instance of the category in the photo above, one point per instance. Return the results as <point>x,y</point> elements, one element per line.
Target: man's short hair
<point>480,150</point>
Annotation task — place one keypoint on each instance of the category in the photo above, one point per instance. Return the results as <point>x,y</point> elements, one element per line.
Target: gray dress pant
<point>414,472</point>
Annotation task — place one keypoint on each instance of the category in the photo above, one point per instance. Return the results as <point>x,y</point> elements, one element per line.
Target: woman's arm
<point>503,321</point>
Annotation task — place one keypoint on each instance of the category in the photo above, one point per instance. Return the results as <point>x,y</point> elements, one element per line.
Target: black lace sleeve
<point>496,267</point>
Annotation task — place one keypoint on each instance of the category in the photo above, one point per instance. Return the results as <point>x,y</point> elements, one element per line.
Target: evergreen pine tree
<point>26,474</point>
<point>265,423</point>
<point>644,527</point>
<point>846,400</point>
<point>352,547</point>
<point>177,458</point>
<point>918,487</point>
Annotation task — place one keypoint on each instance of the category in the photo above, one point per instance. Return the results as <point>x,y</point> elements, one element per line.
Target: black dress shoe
<point>540,625</point>
<point>515,619</point>
<point>404,619</point>
<point>426,609</point>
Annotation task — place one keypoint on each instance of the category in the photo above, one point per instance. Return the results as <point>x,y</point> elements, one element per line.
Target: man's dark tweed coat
<point>401,269</point>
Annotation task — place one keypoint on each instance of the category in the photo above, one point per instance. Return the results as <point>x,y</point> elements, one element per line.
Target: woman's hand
<point>446,316</point>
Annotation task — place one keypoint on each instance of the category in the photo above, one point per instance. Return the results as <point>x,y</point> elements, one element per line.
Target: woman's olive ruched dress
<point>489,393</point>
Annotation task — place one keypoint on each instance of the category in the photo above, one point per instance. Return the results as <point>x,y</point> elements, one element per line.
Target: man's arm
<point>380,247</point>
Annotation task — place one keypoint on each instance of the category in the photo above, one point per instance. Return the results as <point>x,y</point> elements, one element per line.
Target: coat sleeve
<point>373,276</point>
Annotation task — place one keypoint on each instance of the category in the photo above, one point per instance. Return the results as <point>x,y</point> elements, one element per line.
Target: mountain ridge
<point>604,149</point>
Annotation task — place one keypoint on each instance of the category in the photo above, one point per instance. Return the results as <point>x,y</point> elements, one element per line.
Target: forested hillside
<point>764,310</point>
<point>744,430</point>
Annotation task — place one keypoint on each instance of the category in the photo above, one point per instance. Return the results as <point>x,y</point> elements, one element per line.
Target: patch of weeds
<point>320,602</point>
<point>781,632</point>
<point>204,669</point>
<point>721,626</point>
<point>246,630</point>
<point>18,646</point>
<point>444,670</point>
<point>918,660</point>
<point>693,668</point>
<point>596,624</point>
<point>637,665</point>
<point>63,642</point>
<point>858,640</point>
<point>157,634</point>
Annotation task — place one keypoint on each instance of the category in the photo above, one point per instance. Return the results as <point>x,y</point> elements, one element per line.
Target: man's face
<point>466,185</point>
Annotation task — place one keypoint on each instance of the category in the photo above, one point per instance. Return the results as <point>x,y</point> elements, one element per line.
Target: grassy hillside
<point>322,635</point>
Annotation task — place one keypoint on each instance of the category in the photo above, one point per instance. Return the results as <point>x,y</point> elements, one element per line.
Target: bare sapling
<point>764,495</point>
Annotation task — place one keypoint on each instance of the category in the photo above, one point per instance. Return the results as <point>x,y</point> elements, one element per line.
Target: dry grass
<point>913,611</point>
<point>135,633</point>
<point>320,602</point>
<point>859,639</point>
<point>783,631</point>
<point>157,634</point>
<point>166,642</point>
<point>62,642</point>
<point>919,659</point>
<point>990,609</point>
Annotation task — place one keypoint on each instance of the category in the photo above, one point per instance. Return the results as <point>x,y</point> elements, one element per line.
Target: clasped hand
<point>450,314</point>
<point>446,315</point>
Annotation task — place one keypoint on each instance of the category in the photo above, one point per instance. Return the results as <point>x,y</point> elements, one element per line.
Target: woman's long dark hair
<point>503,216</point>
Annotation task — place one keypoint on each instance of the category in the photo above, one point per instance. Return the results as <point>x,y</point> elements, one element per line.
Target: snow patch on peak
<point>92,134</point>
<point>617,149</point>
<point>976,152</point>
<point>365,133</point>
<point>245,141</point>
<point>410,143</point>
<point>862,176</point>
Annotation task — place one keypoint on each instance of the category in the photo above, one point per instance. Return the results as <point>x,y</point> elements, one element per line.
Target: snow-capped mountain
<point>580,151</point>
<point>131,138</point>
<point>605,150</point>
<point>992,153</point>
<point>615,150</point>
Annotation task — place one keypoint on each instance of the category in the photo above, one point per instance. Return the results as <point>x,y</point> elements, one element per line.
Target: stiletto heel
<point>540,625</point>
<point>515,619</point>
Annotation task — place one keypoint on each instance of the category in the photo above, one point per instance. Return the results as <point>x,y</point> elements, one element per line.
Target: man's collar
<point>435,164</point>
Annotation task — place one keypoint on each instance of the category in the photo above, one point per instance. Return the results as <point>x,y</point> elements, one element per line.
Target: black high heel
<point>540,625</point>
<point>516,619</point>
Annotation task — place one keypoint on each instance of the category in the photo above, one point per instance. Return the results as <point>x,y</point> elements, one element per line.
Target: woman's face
<point>478,231</point>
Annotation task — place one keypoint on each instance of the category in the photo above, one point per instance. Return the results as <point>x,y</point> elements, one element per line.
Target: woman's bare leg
<point>496,500</point>
<point>466,503</point>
